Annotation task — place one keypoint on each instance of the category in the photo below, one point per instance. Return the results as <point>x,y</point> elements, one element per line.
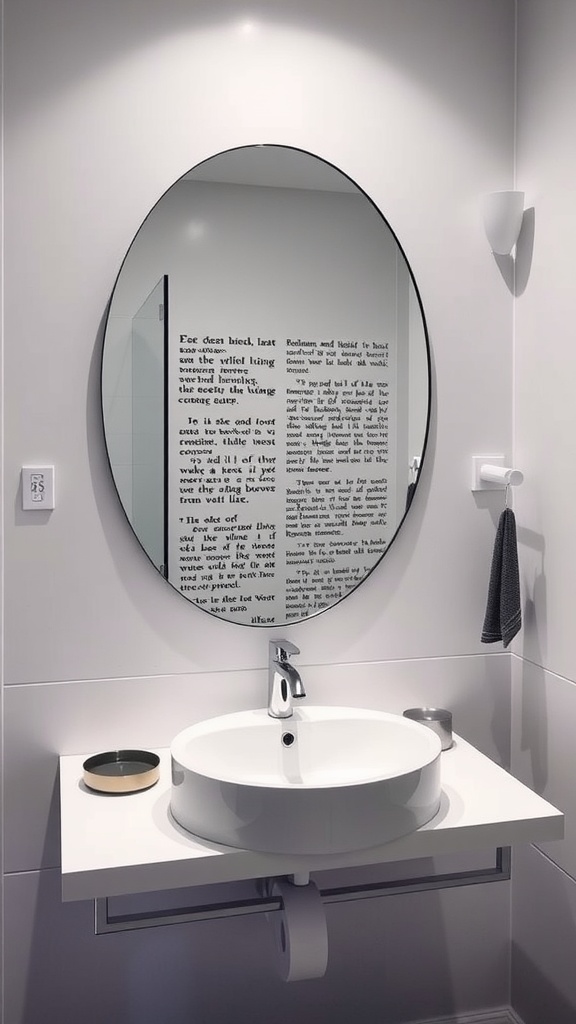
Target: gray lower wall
<point>396,959</point>
<point>544,879</point>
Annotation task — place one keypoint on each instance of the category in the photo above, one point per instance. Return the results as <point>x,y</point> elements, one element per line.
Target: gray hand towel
<point>503,616</point>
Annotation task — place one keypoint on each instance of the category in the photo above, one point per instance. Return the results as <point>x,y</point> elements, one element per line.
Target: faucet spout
<point>284,682</point>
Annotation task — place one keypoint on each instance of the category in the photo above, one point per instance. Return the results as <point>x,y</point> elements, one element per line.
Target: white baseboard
<point>505,1015</point>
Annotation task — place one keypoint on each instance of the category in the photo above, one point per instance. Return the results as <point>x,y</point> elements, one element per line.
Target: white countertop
<point>125,844</point>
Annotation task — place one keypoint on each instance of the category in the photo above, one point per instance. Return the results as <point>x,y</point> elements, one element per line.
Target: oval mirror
<point>265,385</point>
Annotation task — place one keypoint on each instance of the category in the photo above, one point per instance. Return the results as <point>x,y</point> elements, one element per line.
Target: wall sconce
<point>503,213</point>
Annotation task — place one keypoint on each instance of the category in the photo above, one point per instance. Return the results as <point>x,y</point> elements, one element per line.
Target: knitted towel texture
<point>503,616</point>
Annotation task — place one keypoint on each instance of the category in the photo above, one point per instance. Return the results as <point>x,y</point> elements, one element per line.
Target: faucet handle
<point>280,649</point>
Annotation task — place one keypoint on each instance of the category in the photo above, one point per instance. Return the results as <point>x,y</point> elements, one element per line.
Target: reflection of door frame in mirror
<point>396,473</point>
<point>166,413</point>
<point>146,357</point>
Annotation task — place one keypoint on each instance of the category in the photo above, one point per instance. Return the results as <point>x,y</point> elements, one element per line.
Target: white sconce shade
<point>503,212</point>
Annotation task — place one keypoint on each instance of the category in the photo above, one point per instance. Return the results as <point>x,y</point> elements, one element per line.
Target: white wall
<point>544,701</point>
<point>105,108</point>
<point>407,106</point>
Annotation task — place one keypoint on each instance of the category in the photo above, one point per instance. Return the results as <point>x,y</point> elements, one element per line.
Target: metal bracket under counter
<point>113,915</point>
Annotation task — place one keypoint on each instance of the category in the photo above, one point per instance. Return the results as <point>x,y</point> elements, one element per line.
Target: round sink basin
<point>327,780</point>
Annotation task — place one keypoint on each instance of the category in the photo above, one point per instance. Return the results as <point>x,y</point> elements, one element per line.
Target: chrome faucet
<point>284,682</point>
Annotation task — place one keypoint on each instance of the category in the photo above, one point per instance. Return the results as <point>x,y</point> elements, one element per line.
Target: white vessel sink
<point>326,780</point>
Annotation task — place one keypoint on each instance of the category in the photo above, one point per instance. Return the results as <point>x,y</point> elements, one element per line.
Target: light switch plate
<point>37,488</point>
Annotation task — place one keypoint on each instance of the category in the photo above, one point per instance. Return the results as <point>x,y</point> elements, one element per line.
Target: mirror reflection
<point>265,385</point>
